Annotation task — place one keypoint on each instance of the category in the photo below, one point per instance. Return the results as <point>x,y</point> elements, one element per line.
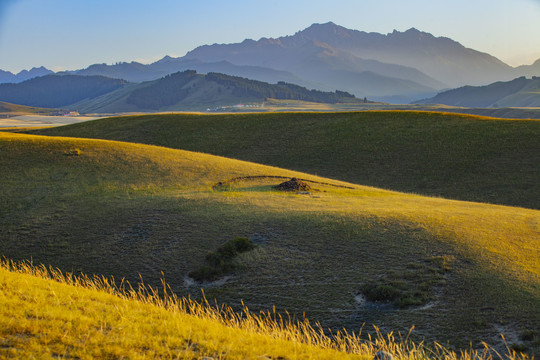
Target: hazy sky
<point>72,34</point>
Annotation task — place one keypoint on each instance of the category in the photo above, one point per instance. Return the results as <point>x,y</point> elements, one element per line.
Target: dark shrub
<point>221,261</point>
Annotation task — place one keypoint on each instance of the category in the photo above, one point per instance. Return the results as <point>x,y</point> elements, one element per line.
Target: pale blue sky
<point>72,34</point>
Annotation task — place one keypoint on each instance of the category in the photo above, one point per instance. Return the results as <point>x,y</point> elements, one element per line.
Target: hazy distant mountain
<point>137,72</point>
<point>9,77</point>
<point>406,55</point>
<point>320,63</point>
<point>6,76</point>
<point>397,67</point>
<point>520,92</point>
<point>529,70</point>
<point>52,91</point>
<point>439,57</point>
<point>191,91</point>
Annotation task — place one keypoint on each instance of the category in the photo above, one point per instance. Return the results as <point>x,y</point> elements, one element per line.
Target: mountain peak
<point>165,59</point>
<point>412,33</point>
<point>327,25</point>
<point>328,28</point>
<point>413,30</point>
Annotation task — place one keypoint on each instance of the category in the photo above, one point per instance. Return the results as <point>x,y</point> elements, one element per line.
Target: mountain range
<point>175,92</point>
<point>398,67</point>
<point>9,77</point>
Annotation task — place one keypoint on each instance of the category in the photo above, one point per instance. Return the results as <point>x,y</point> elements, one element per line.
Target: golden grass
<point>49,314</point>
<point>461,157</point>
<point>135,164</point>
<point>503,240</point>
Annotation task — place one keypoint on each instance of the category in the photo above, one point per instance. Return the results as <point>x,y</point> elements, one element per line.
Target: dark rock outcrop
<point>293,185</point>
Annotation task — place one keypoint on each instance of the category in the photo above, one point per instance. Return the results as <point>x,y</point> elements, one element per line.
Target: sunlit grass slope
<point>124,209</point>
<point>48,314</point>
<point>89,319</point>
<point>455,156</point>
<point>14,109</point>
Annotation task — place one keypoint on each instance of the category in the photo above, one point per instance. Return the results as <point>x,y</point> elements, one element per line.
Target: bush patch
<point>411,287</point>
<point>221,261</point>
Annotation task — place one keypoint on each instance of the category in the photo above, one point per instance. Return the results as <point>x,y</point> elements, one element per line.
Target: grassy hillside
<point>188,90</point>
<point>506,113</point>
<point>79,317</point>
<point>460,272</point>
<point>14,109</point>
<point>520,92</point>
<point>454,156</point>
<point>90,319</point>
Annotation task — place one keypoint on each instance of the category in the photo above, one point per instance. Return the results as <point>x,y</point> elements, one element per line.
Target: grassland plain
<point>454,156</point>
<point>124,209</point>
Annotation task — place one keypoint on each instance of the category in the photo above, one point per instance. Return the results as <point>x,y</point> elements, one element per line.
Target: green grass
<point>126,209</point>
<point>460,157</point>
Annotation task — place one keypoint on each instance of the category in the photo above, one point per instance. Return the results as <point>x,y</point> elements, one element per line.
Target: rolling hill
<point>8,109</point>
<point>454,156</point>
<point>189,91</point>
<point>94,318</point>
<point>179,91</point>
<point>520,92</point>
<point>461,271</point>
<point>53,91</point>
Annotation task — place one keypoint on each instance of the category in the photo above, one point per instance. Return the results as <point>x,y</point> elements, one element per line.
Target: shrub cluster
<point>412,287</point>
<point>221,261</point>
